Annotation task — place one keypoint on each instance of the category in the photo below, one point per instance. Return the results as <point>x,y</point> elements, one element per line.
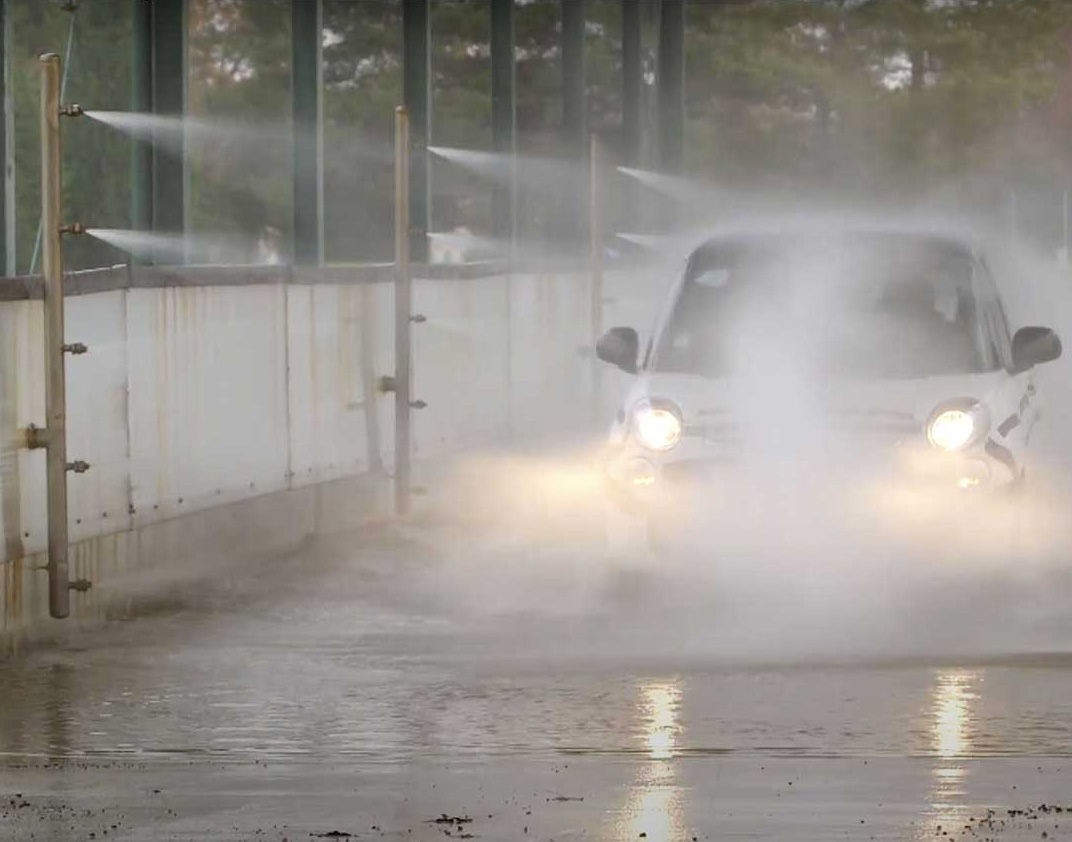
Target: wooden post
<point>59,599</point>
<point>403,312</point>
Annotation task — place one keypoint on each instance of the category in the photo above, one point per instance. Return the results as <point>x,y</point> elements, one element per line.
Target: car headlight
<point>954,426</point>
<point>657,424</point>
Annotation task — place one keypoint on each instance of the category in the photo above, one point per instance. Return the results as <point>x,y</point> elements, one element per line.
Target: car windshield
<point>863,307</point>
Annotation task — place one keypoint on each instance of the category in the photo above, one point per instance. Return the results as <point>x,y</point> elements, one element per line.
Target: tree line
<point>961,102</point>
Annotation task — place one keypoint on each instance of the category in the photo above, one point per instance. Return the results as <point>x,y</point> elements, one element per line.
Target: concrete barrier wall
<point>199,397</point>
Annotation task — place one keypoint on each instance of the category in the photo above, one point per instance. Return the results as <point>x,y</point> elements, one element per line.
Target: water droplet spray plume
<point>174,249</point>
<point>647,241</point>
<point>173,132</point>
<point>535,175</point>
<point>162,248</point>
<point>686,192</point>
<point>170,132</point>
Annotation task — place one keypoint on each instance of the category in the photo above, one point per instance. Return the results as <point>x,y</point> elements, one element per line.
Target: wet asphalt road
<point>358,688</point>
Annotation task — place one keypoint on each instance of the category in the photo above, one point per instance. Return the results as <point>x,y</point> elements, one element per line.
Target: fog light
<point>973,473</point>
<point>640,473</point>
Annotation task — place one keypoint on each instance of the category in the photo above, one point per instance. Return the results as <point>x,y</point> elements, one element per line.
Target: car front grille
<point>876,431</point>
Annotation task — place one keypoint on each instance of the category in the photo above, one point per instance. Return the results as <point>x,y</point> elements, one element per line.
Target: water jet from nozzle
<point>162,248</point>
<point>647,241</point>
<point>679,189</point>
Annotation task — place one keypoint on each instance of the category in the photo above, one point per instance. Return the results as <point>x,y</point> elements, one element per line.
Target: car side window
<point>991,354</point>
<point>996,323</point>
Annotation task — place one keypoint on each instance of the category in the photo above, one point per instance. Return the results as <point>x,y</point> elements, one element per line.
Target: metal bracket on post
<point>36,437</point>
<point>403,314</point>
<point>387,383</point>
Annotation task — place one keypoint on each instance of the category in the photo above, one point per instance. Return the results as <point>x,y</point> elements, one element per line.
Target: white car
<point>875,357</point>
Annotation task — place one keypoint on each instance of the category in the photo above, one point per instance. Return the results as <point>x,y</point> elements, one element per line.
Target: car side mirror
<point>1032,346</point>
<point>620,346</point>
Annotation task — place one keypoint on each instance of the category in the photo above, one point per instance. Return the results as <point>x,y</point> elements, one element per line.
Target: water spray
<point>679,189</point>
<point>651,242</point>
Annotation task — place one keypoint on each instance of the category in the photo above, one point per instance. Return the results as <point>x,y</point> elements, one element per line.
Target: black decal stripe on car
<point>1001,454</point>
<point>1008,425</point>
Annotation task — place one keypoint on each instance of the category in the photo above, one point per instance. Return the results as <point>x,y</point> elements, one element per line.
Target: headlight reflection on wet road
<point>952,735</point>
<point>655,806</point>
<point>954,694</point>
<point>661,703</point>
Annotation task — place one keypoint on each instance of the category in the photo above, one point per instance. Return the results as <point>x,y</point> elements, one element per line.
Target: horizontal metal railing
<point>126,276</point>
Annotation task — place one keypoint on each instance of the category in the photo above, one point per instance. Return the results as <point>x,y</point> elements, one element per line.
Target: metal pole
<point>632,82</point>
<point>595,242</point>
<point>10,232</point>
<point>504,141</point>
<point>6,243</point>
<point>1064,226</point>
<point>403,312</point>
<point>417,98</point>
<point>627,214</point>
<point>503,114</point>
<point>55,384</point>
<point>672,86</point>
<point>574,117</point>
<point>306,93</point>
<point>574,107</point>
<point>170,172</point>
<point>141,102</point>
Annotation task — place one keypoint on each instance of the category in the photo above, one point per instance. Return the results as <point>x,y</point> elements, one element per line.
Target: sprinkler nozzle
<point>72,110</point>
<point>74,228</point>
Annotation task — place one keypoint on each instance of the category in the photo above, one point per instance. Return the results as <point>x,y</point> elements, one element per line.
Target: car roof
<point>940,236</point>
<point>949,237</point>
